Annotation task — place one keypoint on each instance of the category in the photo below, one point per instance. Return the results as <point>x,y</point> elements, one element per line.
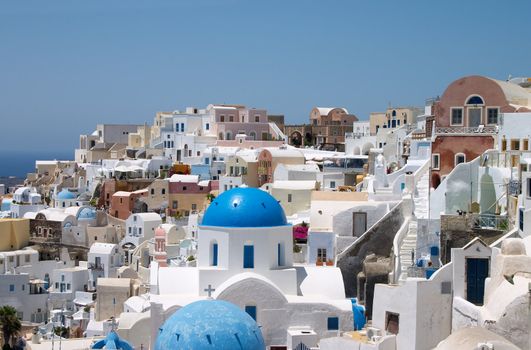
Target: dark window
<point>474,100</point>
<point>248,257</point>
<point>521,220</point>
<point>492,115</point>
<point>251,310</point>
<point>457,115</point>
<point>333,323</point>
<point>391,322</point>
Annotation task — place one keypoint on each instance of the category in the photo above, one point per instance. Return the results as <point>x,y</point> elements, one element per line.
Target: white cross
<point>209,290</point>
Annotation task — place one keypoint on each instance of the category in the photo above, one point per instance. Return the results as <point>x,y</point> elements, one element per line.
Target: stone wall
<point>377,240</point>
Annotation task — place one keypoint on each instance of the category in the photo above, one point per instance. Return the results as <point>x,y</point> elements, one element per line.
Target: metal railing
<point>488,130</point>
<point>489,221</point>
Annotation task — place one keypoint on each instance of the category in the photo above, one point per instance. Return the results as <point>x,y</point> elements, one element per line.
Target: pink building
<point>232,120</point>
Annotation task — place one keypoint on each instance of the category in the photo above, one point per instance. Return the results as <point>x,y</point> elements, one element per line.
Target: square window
<point>457,116</point>
<point>492,115</point>
<point>333,323</point>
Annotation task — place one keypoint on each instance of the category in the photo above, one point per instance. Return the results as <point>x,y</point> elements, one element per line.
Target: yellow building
<point>14,234</point>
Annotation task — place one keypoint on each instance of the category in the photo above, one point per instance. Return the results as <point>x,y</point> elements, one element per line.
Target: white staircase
<point>409,244</point>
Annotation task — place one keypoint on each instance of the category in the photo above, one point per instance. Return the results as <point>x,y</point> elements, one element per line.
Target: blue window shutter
<point>215,254</point>
<point>248,257</point>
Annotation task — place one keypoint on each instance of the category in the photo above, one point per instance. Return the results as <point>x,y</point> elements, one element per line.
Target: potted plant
<point>329,262</point>
<point>319,262</point>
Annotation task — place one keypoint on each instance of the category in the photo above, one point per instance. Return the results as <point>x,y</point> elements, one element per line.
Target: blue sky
<point>67,65</point>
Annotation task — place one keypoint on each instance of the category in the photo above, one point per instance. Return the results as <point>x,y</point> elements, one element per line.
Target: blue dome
<point>112,341</point>
<point>86,213</point>
<point>244,207</point>
<point>65,194</point>
<point>210,324</point>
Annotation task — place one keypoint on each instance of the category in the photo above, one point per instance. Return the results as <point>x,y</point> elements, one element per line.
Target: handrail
<point>466,130</point>
<point>397,242</point>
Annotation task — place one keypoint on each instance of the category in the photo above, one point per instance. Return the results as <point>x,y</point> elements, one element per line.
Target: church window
<point>280,255</point>
<point>248,256</point>
<point>214,254</point>
<point>251,310</point>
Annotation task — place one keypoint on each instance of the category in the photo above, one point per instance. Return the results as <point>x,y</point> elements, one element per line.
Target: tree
<point>10,324</point>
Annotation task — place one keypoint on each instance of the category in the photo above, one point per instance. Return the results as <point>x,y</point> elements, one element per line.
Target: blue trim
<point>215,254</point>
<point>248,257</point>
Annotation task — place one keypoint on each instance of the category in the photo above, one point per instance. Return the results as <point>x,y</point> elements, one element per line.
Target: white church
<point>245,256</point>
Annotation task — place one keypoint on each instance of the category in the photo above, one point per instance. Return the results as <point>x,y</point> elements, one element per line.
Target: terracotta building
<point>466,120</point>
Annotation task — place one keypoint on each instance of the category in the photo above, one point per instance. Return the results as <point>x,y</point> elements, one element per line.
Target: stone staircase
<point>409,244</point>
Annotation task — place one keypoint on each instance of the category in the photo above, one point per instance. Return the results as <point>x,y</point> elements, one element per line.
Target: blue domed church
<point>244,257</point>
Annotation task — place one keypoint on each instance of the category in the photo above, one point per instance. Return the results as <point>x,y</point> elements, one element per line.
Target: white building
<point>104,259</point>
<point>140,227</point>
<point>245,257</point>
<point>26,199</point>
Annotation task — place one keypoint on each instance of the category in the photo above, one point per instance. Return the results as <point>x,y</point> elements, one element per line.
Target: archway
<point>435,180</point>
<point>296,139</point>
<point>366,148</point>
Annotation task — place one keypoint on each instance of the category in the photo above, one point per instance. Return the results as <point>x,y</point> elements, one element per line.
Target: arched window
<point>253,135</point>
<point>393,114</point>
<point>460,158</point>
<point>475,100</point>
<point>229,135</point>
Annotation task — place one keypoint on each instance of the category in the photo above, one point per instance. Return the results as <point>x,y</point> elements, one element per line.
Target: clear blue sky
<point>67,65</point>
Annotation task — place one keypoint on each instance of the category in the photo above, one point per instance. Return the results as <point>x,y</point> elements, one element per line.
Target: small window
<point>184,188</point>
<point>194,206</point>
<point>525,147</point>
<point>435,161</point>
<point>475,100</point>
<point>207,126</point>
<point>152,191</point>
<point>56,285</point>
<point>529,187</point>
<point>257,118</point>
<point>521,219</point>
<point>251,310</point>
<point>332,184</point>
<point>492,115</point>
<point>392,322</point>
<point>231,118</point>
<point>222,118</point>
<point>457,116</point>
<point>459,158</point>
<point>504,145</point>
<point>289,198</point>
<point>11,287</point>
<point>163,191</point>
<point>333,323</point>
<point>515,145</point>
<point>68,286</point>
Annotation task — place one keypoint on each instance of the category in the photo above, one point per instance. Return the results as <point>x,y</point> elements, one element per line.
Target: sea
<point>18,163</point>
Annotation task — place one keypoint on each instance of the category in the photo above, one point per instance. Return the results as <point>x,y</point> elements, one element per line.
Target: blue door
<point>215,254</point>
<point>248,257</point>
<point>476,272</point>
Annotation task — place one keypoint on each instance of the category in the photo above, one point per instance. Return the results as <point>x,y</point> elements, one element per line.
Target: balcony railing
<point>449,130</point>
<point>489,221</point>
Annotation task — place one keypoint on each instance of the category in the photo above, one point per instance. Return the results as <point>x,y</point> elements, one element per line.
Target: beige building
<point>14,234</point>
<point>157,195</point>
<point>112,294</point>
<point>393,117</point>
<point>294,196</point>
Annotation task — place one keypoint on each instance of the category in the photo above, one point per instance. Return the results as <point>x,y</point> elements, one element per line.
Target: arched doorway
<point>296,139</point>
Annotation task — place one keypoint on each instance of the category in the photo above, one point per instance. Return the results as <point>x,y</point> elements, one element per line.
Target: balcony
<point>466,130</point>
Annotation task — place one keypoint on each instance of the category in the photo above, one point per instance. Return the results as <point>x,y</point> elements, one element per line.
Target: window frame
<point>459,155</point>
<point>487,109</point>
<point>452,116</point>
<point>438,156</point>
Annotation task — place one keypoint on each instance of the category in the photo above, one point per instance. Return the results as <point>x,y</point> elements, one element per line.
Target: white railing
<point>466,130</point>
<point>397,244</point>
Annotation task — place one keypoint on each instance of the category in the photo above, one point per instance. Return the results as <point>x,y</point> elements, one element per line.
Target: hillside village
<point>406,230</point>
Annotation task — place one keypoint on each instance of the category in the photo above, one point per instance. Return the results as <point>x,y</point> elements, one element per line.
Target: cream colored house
<point>294,196</point>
